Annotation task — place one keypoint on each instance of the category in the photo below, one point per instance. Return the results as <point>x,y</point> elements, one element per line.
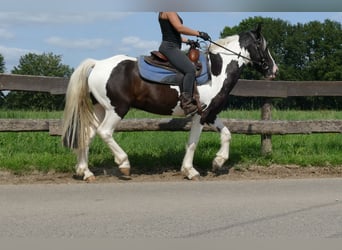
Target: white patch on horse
<point>177,110</point>
<point>233,43</point>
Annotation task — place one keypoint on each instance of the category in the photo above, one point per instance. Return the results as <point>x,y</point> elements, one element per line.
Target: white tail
<point>78,114</point>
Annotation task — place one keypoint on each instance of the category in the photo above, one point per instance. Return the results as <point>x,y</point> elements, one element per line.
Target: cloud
<point>59,18</point>
<point>5,34</point>
<point>136,43</point>
<point>78,43</point>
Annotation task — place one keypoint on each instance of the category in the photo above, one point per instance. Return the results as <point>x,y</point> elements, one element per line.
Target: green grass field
<point>154,152</point>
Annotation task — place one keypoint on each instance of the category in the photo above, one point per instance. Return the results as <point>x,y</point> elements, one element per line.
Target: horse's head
<point>256,45</point>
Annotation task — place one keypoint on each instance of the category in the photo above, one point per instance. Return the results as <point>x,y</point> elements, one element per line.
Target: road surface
<point>208,209</point>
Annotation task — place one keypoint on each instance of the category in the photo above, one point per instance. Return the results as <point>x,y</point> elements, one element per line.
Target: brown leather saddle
<point>160,60</point>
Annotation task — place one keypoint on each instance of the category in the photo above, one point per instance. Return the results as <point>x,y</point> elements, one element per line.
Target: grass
<point>154,152</point>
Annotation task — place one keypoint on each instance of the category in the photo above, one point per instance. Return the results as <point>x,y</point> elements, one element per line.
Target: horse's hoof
<point>90,179</point>
<point>218,163</point>
<point>125,174</point>
<point>195,178</point>
<point>125,171</point>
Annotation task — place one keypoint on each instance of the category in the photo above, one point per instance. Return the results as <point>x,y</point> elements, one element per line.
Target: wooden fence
<point>266,127</point>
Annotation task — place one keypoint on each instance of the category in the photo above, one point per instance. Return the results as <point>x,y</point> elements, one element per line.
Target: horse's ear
<point>258,28</point>
<point>257,31</point>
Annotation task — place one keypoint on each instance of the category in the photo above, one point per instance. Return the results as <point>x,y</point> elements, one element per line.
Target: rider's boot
<point>189,105</point>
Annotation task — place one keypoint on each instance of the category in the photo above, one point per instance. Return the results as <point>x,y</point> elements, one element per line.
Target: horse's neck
<point>223,62</point>
<point>225,69</point>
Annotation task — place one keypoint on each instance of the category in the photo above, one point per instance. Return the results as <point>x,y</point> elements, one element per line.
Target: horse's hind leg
<point>82,168</point>
<point>105,131</point>
<point>82,164</point>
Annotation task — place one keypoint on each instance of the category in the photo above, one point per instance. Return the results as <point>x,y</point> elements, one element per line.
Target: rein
<point>237,54</point>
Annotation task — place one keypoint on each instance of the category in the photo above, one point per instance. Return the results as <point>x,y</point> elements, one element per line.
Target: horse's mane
<point>222,42</point>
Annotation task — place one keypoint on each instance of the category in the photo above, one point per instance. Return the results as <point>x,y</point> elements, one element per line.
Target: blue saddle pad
<point>161,75</point>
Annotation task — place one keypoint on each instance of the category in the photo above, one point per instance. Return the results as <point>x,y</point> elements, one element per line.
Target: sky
<point>99,29</point>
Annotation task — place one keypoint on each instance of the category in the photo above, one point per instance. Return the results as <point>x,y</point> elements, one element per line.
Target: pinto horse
<point>101,92</point>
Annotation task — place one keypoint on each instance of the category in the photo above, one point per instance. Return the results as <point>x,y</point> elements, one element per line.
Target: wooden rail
<point>266,127</point>
<point>53,85</point>
<point>251,88</point>
<point>250,127</point>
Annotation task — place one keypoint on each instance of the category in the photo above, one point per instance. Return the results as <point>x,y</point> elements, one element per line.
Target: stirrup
<point>200,109</point>
<point>200,106</point>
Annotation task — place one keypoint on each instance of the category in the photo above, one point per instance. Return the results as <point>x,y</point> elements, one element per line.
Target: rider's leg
<point>183,64</point>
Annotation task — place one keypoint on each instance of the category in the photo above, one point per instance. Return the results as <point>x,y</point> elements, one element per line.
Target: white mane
<point>223,42</point>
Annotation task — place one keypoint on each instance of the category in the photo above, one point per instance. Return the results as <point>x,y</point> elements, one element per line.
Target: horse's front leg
<point>187,166</point>
<point>223,154</point>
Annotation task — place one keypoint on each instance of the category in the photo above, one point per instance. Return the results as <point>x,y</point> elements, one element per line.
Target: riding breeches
<point>182,63</point>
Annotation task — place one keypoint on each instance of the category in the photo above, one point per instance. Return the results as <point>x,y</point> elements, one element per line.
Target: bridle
<point>262,64</point>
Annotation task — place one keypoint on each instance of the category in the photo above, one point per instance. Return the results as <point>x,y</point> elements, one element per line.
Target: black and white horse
<point>101,92</point>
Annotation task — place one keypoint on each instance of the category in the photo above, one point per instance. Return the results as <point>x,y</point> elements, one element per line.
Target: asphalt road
<point>207,209</point>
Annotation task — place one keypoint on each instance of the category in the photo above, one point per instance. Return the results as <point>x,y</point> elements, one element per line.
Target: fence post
<point>266,139</point>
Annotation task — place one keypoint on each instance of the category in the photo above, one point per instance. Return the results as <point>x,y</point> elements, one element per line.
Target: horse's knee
<point>226,136</point>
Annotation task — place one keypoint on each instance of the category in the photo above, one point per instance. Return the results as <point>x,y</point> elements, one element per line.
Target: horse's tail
<point>78,114</point>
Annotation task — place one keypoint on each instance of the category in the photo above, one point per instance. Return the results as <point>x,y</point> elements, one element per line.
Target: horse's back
<point>107,65</point>
<point>100,76</point>
<point>103,69</point>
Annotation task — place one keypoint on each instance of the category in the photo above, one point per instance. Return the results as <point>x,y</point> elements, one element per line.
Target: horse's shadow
<point>165,162</point>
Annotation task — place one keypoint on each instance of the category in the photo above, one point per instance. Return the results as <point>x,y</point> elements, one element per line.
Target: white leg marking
<point>82,158</point>
<point>105,131</point>
<point>223,154</point>
<point>187,166</point>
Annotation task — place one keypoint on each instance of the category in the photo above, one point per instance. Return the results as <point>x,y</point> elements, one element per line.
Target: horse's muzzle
<point>274,73</point>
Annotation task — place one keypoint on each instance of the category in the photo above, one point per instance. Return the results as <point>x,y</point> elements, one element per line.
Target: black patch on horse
<point>118,87</point>
<point>219,102</point>
<point>216,63</point>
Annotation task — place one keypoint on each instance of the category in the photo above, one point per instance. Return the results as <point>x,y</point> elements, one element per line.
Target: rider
<point>172,27</point>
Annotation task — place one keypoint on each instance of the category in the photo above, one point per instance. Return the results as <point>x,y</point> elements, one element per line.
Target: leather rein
<point>263,64</point>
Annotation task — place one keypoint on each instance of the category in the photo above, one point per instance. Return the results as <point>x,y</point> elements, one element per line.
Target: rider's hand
<point>190,42</point>
<point>204,36</point>
<point>193,44</point>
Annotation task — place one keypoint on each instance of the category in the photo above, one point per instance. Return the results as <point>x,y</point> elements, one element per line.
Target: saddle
<point>160,60</point>
<point>156,68</point>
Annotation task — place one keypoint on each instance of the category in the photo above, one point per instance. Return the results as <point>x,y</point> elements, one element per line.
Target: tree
<point>40,65</point>
<point>2,64</point>
<point>2,70</point>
